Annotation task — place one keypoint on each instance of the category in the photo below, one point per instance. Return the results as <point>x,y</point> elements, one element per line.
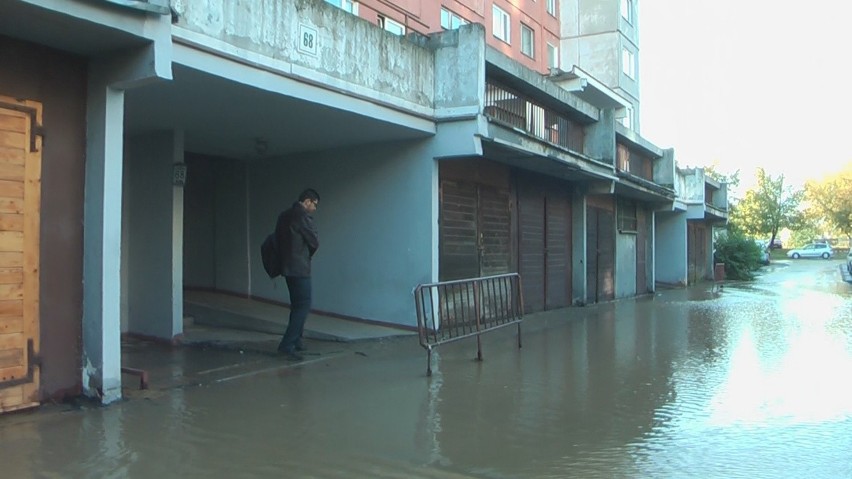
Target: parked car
<point>764,251</point>
<point>849,260</point>
<point>813,250</point>
<point>776,244</point>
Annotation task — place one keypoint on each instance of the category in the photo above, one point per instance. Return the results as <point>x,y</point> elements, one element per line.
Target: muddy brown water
<point>750,381</point>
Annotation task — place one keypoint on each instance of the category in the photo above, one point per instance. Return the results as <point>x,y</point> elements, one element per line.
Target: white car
<point>813,250</point>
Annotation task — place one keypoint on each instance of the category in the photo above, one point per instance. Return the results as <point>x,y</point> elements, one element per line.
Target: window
<point>527,41</point>
<point>628,63</point>
<point>552,56</point>
<point>391,26</point>
<point>627,10</point>
<point>627,222</point>
<point>502,24</point>
<point>551,7</point>
<point>350,6</point>
<point>451,21</point>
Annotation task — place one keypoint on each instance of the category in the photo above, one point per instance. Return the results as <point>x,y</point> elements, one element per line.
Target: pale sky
<point>748,83</point>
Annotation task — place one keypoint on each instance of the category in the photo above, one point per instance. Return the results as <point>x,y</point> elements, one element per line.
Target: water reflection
<point>749,382</point>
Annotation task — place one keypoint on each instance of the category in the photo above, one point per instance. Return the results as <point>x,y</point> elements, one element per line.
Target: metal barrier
<point>453,310</point>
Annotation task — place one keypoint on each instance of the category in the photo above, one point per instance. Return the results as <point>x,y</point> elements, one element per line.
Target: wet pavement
<point>744,380</point>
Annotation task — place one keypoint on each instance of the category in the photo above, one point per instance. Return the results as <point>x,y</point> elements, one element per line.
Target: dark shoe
<point>300,347</point>
<point>291,355</point>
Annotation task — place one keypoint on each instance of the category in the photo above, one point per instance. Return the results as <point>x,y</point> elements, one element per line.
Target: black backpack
<point>270,257</point>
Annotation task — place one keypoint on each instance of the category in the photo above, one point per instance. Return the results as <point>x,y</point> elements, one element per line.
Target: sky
<point>748,84</point>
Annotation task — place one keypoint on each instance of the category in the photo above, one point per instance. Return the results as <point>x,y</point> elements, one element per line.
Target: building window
<point>627,222</point>
<point>552,56</point>
<point>551,7</point>
<point>391,26</point>
<point>627,10</point>
<point>628,63</point>
<point>502,24</point>
<point>350,6</point>
<point>451,21</point>
<point>527,41</point>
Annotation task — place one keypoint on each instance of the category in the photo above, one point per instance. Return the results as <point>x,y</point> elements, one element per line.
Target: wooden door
<point>558,250</point>
<point>459,242</point>
<point>20,204</point>
<point>475,230</point>
<point>641,251</point>
<point>531,244</point>
<point>600,254</point>
<point>544,243</point>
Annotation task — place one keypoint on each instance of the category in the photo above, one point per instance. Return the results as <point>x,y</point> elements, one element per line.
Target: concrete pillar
<point>155,235</point>
<point>600,138</point>
<point>102,205</point>
<point>102,240</point>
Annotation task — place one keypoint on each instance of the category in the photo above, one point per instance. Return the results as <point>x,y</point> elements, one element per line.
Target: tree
<point>713,171</point>
<point>768,207</point>
<point>831,200</point>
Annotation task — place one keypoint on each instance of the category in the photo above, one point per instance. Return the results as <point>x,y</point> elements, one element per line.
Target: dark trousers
<point>300,305</point>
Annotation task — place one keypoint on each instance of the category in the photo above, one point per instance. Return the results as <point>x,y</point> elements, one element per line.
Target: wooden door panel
<point>20,211</point>
<point>458,237</point>
<point>494,231</point>
<point>558,250</point>
<point>531,245</point>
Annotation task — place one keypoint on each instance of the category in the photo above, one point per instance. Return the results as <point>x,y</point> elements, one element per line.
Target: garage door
<point>20,190</point>
<point>544,242</point>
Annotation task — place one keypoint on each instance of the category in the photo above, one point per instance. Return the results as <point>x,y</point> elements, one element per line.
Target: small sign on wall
<point>307,39</point>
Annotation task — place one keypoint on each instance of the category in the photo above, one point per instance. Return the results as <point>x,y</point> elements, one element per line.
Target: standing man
<point>297,242</point>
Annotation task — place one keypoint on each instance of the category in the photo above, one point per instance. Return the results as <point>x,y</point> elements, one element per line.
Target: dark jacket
<point>297,241</point>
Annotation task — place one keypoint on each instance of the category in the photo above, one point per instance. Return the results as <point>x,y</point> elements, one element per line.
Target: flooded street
<point>750,381</point>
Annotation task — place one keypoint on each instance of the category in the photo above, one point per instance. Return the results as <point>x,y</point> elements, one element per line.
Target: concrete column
<point>600,138</point>
<point>102,241</point>
<point>155,235</point>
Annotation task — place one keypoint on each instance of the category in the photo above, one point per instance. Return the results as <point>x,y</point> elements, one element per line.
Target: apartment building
<point>525,30</point>
<point>596,40</point>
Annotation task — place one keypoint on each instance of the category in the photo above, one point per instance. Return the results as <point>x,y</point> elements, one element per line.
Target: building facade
<point>164,138</point>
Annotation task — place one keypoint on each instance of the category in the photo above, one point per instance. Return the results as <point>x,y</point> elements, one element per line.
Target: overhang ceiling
<point>60,31</point>
<point>224,118</point>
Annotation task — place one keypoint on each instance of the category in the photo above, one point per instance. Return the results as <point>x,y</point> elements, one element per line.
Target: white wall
<point>670,257</point>
<point>154,236</point>
<point>376,222</point>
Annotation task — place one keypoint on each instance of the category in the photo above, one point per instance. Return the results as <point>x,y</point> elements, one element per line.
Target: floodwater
<point>751,381</point>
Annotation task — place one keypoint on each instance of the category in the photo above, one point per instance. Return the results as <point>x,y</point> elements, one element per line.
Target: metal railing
<point>512,109</point>
<point>452,310</point>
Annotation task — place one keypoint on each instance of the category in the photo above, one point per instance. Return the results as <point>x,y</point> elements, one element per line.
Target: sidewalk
<point>229,337</point>
<point>221,317</point>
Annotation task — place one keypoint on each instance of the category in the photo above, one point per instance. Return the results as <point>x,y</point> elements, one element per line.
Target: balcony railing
<point>512,109</point>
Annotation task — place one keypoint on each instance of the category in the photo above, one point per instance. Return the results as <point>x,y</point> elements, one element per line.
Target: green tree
<point>713,171</point>
<point>740,254</point>
<point>768,207</point>
<point>831,200</point>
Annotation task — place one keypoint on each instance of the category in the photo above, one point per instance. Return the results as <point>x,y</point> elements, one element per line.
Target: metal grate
<point>453,310</point>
